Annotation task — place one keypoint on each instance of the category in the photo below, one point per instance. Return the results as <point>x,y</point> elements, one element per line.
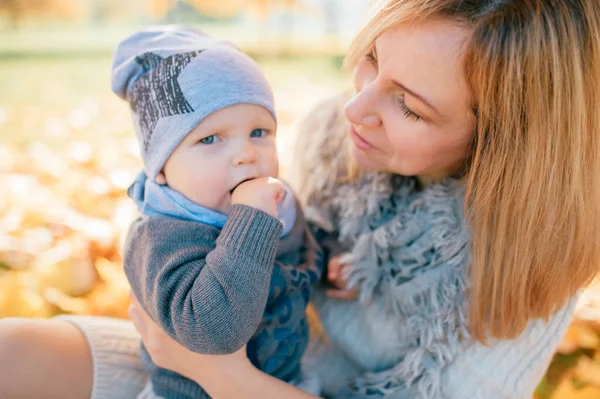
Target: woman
<point>467,271</point>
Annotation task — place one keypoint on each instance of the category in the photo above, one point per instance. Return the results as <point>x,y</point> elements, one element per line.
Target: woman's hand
<point>169,354</point>
<point>223,377</point>
<point>335,277</point>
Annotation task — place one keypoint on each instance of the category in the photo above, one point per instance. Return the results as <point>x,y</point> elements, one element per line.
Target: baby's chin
<point>225,205</point>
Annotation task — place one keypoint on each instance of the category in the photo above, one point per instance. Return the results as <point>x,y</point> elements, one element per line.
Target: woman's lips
<point>359,142</point>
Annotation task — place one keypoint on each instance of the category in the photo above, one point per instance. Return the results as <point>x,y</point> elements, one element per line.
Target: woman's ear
<point>161,179</point>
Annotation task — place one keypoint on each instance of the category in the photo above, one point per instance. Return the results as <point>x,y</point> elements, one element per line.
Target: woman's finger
<point>343,294</point>
<point>335,272</point>
<point>137,319</point>
<point>142,322</point>
<point>338,278</point>
<point>333,269</point>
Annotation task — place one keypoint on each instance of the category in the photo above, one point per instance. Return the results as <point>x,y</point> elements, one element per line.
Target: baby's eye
<point>209,140</point>
<point>258,133</point>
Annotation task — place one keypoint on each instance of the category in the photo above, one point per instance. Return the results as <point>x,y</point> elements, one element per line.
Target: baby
<point>221,255</point>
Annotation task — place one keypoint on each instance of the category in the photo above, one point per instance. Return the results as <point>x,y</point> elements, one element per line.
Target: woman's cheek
<point>411,154</point>
<point>400,139</point>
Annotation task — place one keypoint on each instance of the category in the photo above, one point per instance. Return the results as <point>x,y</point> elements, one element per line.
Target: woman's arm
<point>222,376</point>
<point>243,381</point>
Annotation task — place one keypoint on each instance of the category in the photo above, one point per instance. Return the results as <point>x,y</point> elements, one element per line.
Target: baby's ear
<point>161,179</point>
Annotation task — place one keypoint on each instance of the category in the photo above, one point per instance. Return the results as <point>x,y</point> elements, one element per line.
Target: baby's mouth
<point>237,185</point>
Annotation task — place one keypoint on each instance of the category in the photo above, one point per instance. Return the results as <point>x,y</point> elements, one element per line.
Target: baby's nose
<point>245,155</point>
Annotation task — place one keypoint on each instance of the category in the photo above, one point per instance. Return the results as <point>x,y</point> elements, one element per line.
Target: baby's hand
<point>335,277</point>
<point>263,193</point>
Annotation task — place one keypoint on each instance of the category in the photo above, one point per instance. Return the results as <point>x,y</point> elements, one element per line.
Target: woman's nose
<point>362,109</point>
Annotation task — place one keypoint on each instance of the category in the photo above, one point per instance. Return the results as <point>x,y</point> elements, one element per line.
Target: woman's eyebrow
<point>417,96</point>
<point>406,89</point>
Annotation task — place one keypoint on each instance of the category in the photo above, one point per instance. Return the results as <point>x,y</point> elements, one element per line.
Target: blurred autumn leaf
<point>19,10</point>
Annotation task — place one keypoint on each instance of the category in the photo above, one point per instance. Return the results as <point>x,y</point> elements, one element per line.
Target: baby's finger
<point>138,321</point>
<point>279,194</point>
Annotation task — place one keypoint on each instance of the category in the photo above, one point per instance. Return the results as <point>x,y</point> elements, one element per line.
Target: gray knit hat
<point>173,77</point>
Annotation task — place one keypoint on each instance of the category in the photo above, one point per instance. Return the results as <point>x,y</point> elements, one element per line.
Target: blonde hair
<point>532,182</point>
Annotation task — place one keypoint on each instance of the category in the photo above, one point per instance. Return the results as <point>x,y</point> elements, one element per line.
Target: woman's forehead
<point>426,57</point>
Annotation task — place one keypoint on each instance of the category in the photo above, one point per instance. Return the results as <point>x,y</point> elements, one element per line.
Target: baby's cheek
<point>213,191</point>
<point>271,167</point>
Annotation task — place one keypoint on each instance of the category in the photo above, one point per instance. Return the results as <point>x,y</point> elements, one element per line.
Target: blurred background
<point>68,152</point>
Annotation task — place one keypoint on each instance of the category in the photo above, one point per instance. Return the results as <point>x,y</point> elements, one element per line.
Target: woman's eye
<point>209,140</point>
<point>371,57</point>
<point>408,113</point>
<point>258,133</point>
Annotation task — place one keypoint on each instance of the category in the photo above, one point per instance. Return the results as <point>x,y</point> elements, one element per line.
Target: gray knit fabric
<point>215,290</point>
<point>409,252</point>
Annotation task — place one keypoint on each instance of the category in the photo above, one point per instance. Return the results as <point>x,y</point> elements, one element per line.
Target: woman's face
<point>412,112</point>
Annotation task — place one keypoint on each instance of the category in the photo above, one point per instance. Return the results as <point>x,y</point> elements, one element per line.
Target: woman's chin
<point>367,160</point>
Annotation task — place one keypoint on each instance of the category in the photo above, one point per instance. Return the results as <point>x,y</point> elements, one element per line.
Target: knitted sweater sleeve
<point>507,369</point>
<point>209,296</point>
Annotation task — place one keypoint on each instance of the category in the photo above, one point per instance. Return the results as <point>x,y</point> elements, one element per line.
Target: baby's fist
<point>264,193</point>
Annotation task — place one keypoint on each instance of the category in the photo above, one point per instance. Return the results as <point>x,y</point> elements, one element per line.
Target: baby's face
<point>230,146</point>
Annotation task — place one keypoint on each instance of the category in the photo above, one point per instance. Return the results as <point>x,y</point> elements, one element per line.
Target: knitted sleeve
<point>209,296</point>
<point>508,369</point>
